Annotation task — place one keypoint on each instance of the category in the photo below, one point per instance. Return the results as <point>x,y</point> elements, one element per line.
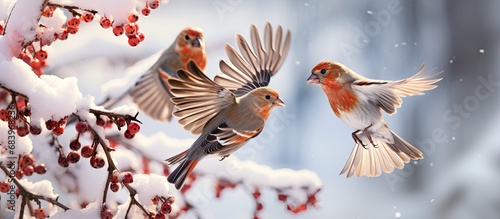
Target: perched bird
<point>232,109</point>
<point>151,92</point>
<point>359,101</point>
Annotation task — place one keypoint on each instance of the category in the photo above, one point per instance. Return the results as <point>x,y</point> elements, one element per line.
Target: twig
<point>28,195</point>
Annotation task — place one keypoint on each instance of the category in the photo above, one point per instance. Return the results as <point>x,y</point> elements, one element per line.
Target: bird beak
<point>279,102</point>
<point>196,42</point>
<point>313,79</point>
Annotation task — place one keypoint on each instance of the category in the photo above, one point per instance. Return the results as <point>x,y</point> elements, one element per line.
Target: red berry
<point>81,126</point>
<point>106,214</point>
<point>153,4</point>
<point>131,29</point>
<point>133,128</point>
<point>133,17</point>
<point>88,17</point>
<point>41,55</point>
<point>118,30</point>
<point>63,162</point>
<point>127,177</point>
<point>35,130</point>
<point>72,30</point>
<point>23,131</point>
<point>100,122</point>
<point>74,22</point>
<point>128,135</point>
<point>282,197</point>
<point>63,35</point>
<point>87,151</point>
<point>73,157</point>
<point>105,22</point>
<point>114,187</point>
<point>133,40</point>
<point>35,63</point>
<point>18,173</point>
<point>120,122</point>
<point>114,178</point>
<point>4,187</point>
<point>39,213</point>
<point>75,144</point>
<point>170,200</point>
<point>256,194</point>
<point>62,122</point>
<point>58,130</point>
<point>1,30</point>
<point>259,206</point>
<point>97,162</point>
<point>29,170</point>
<point>166,208</point>
<point>40,169</point>
<point>27,160</point>
<point>141,36</point>
<point>146,11</point>
<point>50,124</point>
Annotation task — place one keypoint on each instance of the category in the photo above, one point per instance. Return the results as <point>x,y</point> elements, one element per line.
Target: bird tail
<point>179,175</point>
<point>385,157</point>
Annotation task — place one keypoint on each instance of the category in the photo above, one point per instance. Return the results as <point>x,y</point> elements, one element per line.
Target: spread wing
<point>197,98</point>
<point>253,68</point>
<point>150,92</point>
<point>387,94</point>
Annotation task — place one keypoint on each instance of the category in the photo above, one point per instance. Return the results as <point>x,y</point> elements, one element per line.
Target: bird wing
<point>387,94</point>
<point>253,68</point>
<point>230,135</point>
<point>197,98</point>
<point>150,92</point>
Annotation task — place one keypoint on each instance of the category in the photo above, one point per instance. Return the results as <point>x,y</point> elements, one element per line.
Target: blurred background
<point>455,126</point>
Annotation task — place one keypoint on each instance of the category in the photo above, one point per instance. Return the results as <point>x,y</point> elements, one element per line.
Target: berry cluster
<point>27,166</point>
<point>297,207</point>
<point>36,56</point>
<point>163,206</point>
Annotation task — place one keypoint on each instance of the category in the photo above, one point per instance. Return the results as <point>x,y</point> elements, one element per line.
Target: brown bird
<point>232,110</point>
<point>151,92</point>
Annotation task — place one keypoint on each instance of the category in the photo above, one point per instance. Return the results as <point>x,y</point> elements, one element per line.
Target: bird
<point>150,92</point>
<point>233,108</point>
<point>359,102</point>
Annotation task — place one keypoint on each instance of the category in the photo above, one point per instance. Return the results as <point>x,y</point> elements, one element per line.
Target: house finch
<point>232,109</point>
<point>150,92</point>
<point>359,101</point>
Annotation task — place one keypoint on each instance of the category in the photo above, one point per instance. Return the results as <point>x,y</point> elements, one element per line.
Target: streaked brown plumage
<point>151,93</point>
<point>232,109</point>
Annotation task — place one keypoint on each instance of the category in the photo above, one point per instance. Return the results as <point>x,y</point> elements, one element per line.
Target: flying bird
<point>359,102</point>
<point>151,92</point>
<point>232,109</point>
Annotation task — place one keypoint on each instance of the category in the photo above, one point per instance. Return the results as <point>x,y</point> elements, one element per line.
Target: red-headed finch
<point>151,92</point>
<point>232,109</point>
<point>359,101</point>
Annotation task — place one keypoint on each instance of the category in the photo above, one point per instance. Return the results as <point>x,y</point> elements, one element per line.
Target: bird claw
<point>374,145</point>
<point>223,157</point>
<point>364,146</point>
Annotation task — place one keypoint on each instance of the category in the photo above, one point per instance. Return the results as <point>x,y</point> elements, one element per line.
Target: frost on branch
<point>297,189</point>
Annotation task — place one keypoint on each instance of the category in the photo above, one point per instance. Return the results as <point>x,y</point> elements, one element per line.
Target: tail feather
<point>177,158</point>
<point>372,161</point>
<point>179,175</point>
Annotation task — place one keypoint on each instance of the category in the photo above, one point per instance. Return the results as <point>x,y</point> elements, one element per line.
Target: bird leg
<point>223,157</point>
<point>369,136</point>
<point>357,140</point>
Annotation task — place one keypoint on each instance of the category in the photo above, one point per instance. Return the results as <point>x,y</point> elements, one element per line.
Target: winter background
<point>455,125</point>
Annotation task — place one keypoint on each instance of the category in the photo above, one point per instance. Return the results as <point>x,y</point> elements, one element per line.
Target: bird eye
<point>323,71</point>
<point>268,97</point>
<point>186,37</point>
